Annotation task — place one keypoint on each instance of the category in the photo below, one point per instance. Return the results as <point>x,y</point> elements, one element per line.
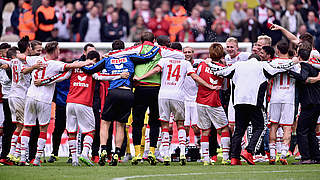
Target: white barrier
<point>107,45</point>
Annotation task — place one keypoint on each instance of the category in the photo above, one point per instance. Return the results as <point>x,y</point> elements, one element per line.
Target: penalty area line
<point>211,173</point>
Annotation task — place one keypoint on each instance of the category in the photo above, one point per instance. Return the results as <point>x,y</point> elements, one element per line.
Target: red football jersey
<point>81,88</point>
<point>206,96</point>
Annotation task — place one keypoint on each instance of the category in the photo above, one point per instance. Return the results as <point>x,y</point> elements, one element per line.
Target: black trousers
<point>306,132</point>
<point>145,97</point>
<point>213,143</point>
<point>96,139</point>
<point>59,127</point>
<point>244,114</point>
<point>8,129</point>
<point>33,143</point>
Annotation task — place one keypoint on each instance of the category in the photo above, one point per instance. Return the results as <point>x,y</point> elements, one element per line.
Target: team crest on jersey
<point>82,78</point>
<point>118,66</point>
<point>119,61</point>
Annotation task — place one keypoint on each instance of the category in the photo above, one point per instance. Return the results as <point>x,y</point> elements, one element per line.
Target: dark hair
<point>273,11</point>
<point>23,44</point>
<point>12,52</point>
<point>51,47</point>
<point>136,43</point>
<point>176,45</point>
<point>34,43</point>
<point>163,40</point>
<point>306,37</point>
<point>147,36</point>
<point>88,45</point>
<point>5,46</point>
<point>283,47</point>
<point>9,29</point>
<point>305,45</point>
<point>269,50</point>
<point>291,53</point>
<point>216,51</point>
<point>92,55</point>
<point>255,56</point>
<point>304,54</point>
<point>117,45</point>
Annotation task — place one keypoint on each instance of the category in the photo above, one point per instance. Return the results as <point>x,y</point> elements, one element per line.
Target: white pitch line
<point>194,174</point>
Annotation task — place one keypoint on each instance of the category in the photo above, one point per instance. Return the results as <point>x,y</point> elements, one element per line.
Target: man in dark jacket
<point>90,28</point>
<point>114,30</point>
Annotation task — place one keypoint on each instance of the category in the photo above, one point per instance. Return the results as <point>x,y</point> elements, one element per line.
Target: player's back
<point>174,72</point>
<point>51,67</point>
<point>20,81</point>
<point>190,87</point>
<point>241,56</point>
<point>283,86</point>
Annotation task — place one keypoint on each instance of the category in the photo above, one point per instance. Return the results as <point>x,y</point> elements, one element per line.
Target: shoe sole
<point>152,160</point>
<point>183,162</point>
<point>249,162</point>
<point>102,160</point>
<point>166,163</point>
<point>85,161</point>
<point>284,162</point>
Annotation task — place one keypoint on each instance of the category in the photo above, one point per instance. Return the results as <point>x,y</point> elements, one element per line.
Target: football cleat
<point>152,159</point>
<point>127,157</point>
<point>226,162</point>
<point>166,160</point>
<point>272,161</point>
<point>86,160</point>
<point>102,160</point>
<point>6,162</point>
<point>76,164</point>
<point>206,163</point>
<point>52,158</point>
<point>95,159</point>
<point>183,160</point>
<point>69,160</point>
<point>136,160</point>
<point>247,156</point>
<point>283,161</point>
<point>22,163</point>
<point>36,162</point>
<point>114,160</point>
<point>235,161</point>
<point>214,159</point>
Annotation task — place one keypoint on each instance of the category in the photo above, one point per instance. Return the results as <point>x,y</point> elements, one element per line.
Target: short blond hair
<point>267,40</point>
<point>232,39</point>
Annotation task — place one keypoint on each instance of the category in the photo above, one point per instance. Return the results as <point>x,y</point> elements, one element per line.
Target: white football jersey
<point>20,81</point>
<point>52,67</point>
<point>174,72</point>
<point>241,56</point>
<point>283,87</point>
<point>190,87</point>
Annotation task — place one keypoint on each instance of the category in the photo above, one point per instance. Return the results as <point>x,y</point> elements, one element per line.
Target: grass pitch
<point>62,170</point>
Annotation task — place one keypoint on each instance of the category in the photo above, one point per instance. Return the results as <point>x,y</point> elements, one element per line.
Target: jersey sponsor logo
<point>118,66</point>
<point>79,84</point>
<point>82,78</point>
<point>174,61</point>
<point>208,70</point>
<point>171,83</point>
<point>118,61</point>
<point>213,82</point>
<point>78,70</point>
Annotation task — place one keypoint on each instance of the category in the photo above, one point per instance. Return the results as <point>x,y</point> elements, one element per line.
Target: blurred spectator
<point>197,23</point>
<point>292,19</point>
<point>303,7</point>
<point>123,16</point>
<point>145,12</point>
<point>91,26</point>
<point>261,12</point>
<point>64,20</point>
<point>250,27</point>
<point>45,20</point>
<point>302,30</point>
<point>216,11</point>
<point>244,6</point>
<point>6,16</point>
<point>222,20</point>
<point>176,21</point>
<point>27,26</point>
<point>278,10</point>
<point>76,19</point>
<point>137,30</point>
<point>158,25</point>
<point>70,8</point>
<point>54,36</point>
<point>186,34</point>
<point>109,11</point>
<point>100,8</point>
<point>275,35</point>
<point>206,14</point>
<point>221,36</point>
<point>113,30</point>
<point>9,35</point>
<point>136,8</point>
<point>90,5</point>
<point>237,16</point>
<point>313,27</point>
<point>15,16</point>
<point>165,6</point>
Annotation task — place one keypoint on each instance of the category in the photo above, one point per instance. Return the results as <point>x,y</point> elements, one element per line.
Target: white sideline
<point>194,174</point>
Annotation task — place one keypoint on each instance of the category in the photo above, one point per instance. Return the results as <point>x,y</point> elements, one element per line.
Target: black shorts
<point>118,105</point>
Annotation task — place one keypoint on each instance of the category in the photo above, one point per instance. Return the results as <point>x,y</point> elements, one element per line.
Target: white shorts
<point>191,113</point>
<point>1,115</point>
<point>17,109</point>
<point>208,114</point>
<point>282,114</point>
<point>82,115</point>
<point>166,106</point>
<point>36,110</point>
<point>231,112</point>
<point>318,122</point>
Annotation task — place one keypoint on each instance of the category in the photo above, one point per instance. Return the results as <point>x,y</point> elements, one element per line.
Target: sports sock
<point>272,147</point>
<point>117,151</point>
<point>159,140</point>
<point>14,140</point>
<point>205,147</point>
<point>103,147</point>
<point>279,139</point>
<point>243,144</point>
<point>225,143</point>
<point>143,140</point>
<point>1,134</point>
<point>182,140</point>
<point>152,149</point>
<point>128,141</point>
<point>284,150</point>
<point>72,141</point>
<point>87,143</point>
<point>165,141</point>
<point>17,151</point>
<point>25,137</point>
<point>147,139</point>
<point>41,143</point>
<point>137,150</point>
<point>318,136</point>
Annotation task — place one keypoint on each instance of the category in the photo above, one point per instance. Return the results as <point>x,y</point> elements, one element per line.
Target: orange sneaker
<point>247,156</point>
<point>235,161</point>
<point>95,159</point>
<point>284,161</point>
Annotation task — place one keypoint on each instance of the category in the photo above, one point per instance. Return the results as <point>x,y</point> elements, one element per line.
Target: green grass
<point>62,170</point>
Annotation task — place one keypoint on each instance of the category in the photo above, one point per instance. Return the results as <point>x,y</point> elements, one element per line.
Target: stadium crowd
<point>271,94</point>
